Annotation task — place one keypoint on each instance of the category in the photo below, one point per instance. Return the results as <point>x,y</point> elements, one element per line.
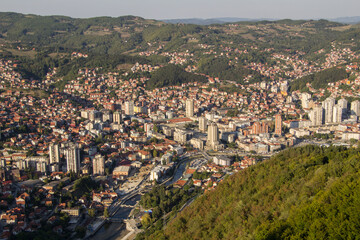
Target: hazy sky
<point>165,9</point>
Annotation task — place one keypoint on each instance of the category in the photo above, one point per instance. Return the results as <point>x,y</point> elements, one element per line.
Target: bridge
<point>116,220</point>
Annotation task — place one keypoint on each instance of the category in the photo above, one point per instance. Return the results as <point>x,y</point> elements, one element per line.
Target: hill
<point>320,79</point>
<point>209,21</point>
<point>108,35</point>
<point>44,42</point>
<point>172,75</point>
<point>302,193</point>
<point>221,68</point>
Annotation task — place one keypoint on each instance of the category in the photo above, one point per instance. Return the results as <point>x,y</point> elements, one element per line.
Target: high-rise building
<point>278,124</point>
<point>328,106</point>
<point>129,108</point>
<point>148,127</point>
<point>107,116</point>
<point>355,107</point>
<point>338,113</point>
<point>343,103</point>
<point>117,118</point>
<point>213,136</point>
<point>189,108</point>
<point>259,128</point>
<point>72,156</point>
<point>98,165</point>
<point>317,116</point>
<point>256,128</point>
<point>202,124</point>
<point>54,153</point>
<point>94,115</point>
<point>305,100</point>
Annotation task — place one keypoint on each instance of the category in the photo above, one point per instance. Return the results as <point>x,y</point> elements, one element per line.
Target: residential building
<point>72,156</point>
<point>129,108</point>
<point>202,124</point>
<point>278,125</point>
<point>117,118</point>
<point>98,165</point>
<point>338,113</point>
<point>355,107</point>
<point>328,106</point>
<point>213,137</point>
<point>189,108</point>
<point>54,153</point>
<point>317,116</point>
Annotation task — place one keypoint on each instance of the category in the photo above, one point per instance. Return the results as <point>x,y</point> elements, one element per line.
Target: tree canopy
<point>302,193</point>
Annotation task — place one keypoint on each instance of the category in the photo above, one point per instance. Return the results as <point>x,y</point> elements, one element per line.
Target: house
<point>180,183</point>
<point>197,183</point>
<point>144,155</point>
<point>121,172</point>
<point>51,185</point>
<point>20,201</point>
<point>9,219</point>
<point>72,211</point>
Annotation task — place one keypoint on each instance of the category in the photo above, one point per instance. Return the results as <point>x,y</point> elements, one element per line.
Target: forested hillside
<point>302,193</point>
<point>244,52</point>
<point>320,79</point>
<point>172,75</point>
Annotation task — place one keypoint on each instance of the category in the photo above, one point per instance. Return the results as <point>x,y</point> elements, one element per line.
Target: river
<point>179,172</point>
<point>116,231</point>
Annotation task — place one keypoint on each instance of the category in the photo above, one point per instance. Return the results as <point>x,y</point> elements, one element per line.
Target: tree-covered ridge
<point>220,67</point>
<point>116,35</point>
<point>171,75</point>
<point>302,193</point>
<point>320,79</point>
<point>227,51</point>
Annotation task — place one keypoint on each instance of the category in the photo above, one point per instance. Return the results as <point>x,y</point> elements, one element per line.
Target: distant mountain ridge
<point>209,21</point>
<point>347,20</point>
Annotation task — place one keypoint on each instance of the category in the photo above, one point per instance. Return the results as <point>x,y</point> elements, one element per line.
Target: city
<point>105,156</point>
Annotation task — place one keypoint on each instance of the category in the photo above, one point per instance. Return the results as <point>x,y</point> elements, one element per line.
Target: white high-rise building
<point>355,107</point>
<point>189,108</point>
<point>305,99</point>
<point>107,116</point>
<point>328,105</point>
<point>117,118</point>
<point>94,114</point>
<point>72,156</point>
<point>213,136</point>
<point>129,108</point>
<point>338,113</point>
<point>54,153</point>
<point>202,124</point>
<point>317,116</point>
<point>343,103</point>
<point>98,165</point>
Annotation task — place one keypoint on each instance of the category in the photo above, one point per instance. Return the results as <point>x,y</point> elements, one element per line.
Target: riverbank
<point>111,231</point>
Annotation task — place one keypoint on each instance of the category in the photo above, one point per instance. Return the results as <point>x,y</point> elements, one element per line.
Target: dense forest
<point>220,67</point>
<point>302,193</point>
<point>320,79</point>
<point>172,75</point>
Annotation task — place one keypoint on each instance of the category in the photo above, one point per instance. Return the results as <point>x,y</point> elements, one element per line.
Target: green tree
<point>91,212</point>
<point>106,213</point>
